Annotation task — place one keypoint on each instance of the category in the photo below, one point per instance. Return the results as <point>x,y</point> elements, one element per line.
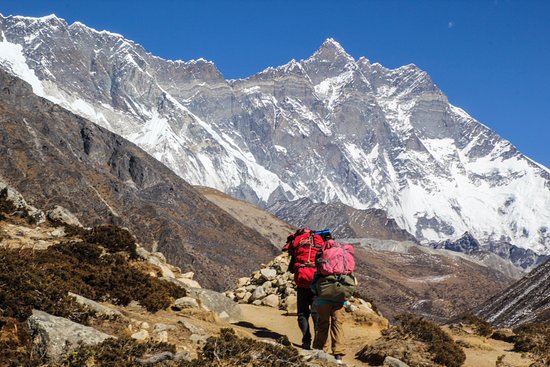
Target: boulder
<point>55,336</point>
<point>185,302</point>
<point>217,303</point>
<point>97,307</point>
<point>141,335</point>
<point>61,215</point>
<point>272,301</point>
<point>188,275</point>
<point>258,293</point>
<point>394,362</point>
<point>188,283</point>
<point>241,282</point>
<point>268,273</point>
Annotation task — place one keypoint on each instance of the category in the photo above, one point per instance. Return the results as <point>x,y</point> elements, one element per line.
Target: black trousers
<point>306,308</point>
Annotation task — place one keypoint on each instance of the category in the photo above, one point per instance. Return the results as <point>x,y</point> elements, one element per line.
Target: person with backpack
<point>333,285</point>
<point>303,247</point>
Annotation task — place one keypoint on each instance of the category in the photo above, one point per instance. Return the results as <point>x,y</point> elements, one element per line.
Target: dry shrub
<point>15,344</point>
<point>113,239</point>
<point>534,339</point>
<point>481,327</point>
<point>228,350</point>
<point>122,352</point>
<point>41,280</point>
<point>6,206</point>
<point>443,347</point>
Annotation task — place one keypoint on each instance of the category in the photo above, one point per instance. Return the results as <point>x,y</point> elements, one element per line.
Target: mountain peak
<point>331,50</point>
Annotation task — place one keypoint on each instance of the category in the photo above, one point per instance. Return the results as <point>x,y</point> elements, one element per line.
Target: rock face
<point>526,301</point>
<point>329,128</point>
<point>56,158</point>
<point>55,336</point>
<point>524,259</point>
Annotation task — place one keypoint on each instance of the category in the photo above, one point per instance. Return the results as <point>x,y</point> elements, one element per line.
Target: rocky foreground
<point>74,296</point>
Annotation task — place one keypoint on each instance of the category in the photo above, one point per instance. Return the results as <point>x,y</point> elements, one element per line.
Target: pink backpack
<point>336,258</point>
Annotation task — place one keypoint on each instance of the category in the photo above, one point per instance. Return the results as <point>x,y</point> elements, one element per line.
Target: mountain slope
<point>54,157</point>
<point>526,301</point>
<point>253,217</point>
<point>329,128</point>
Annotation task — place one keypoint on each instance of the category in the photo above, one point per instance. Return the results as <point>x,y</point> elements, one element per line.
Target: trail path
<point>267,322</point>
<point>270,323</point>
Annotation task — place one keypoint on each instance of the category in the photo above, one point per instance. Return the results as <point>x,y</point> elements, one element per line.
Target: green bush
<point>443,347</point>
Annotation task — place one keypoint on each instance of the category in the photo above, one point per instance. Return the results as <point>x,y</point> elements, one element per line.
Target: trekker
<point>302,247</point>
<point>333,285</point>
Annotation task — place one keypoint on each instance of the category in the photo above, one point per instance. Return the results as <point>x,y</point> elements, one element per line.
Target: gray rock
<point>268,273</point>
<point>61,215</point>
<point>159,357</point>
<point>54,336</point>
<point>394,362</point>
<point>217,303</point>
<point>141,335</point>
<point>258,293</point>
<point>97,307</point>
<point>185,302</point>
<point>272,301</point>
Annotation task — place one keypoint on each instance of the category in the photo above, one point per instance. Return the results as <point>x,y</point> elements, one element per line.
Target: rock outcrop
<point>56,336</point>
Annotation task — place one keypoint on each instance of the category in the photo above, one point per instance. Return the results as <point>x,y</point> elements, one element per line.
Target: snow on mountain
<point>329,128</point>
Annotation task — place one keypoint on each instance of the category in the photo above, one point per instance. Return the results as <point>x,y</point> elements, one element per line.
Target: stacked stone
<point>274,286</point>
<point>271,286</point>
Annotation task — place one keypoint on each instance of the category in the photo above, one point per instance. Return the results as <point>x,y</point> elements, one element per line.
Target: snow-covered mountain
<point>329,128</point>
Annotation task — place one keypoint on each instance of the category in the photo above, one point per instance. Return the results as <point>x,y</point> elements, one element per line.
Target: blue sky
<point>490,57</point>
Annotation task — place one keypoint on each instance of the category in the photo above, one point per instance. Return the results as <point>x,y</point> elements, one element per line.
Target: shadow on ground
<point>262,332</point>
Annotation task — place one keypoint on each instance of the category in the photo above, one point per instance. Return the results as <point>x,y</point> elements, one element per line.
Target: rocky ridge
<point>526,301</point>
<point>54,157</point>
<point>329,128</point>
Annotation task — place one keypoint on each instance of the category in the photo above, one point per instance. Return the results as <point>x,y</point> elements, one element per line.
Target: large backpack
<point>338,288</point>
<point>304,248</point>
<point>336,259</point>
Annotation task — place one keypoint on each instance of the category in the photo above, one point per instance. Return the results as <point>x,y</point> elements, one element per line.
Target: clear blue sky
<point>490,57</point>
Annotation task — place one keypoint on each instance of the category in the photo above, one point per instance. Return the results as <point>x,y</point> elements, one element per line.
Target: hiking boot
<point>306,346</point>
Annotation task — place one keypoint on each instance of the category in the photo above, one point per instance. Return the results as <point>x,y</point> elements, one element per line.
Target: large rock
<point>394,362</point>
<point>55,336</point>
<point>258,293</point>
<point>62,215</point>
<point>272,301</point>
<point>223,307</point>
<point>185,302</point>
<point>268,273</point>
<point>97,307</point>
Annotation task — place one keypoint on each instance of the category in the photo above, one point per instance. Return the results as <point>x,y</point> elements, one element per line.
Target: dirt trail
<point>270,323</point>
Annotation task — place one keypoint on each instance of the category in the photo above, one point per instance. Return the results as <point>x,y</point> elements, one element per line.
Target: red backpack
<point>304,247</point>
<point>336,258</point>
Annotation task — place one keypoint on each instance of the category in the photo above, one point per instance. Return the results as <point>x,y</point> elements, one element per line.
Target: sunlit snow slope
<point>330,128</point>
